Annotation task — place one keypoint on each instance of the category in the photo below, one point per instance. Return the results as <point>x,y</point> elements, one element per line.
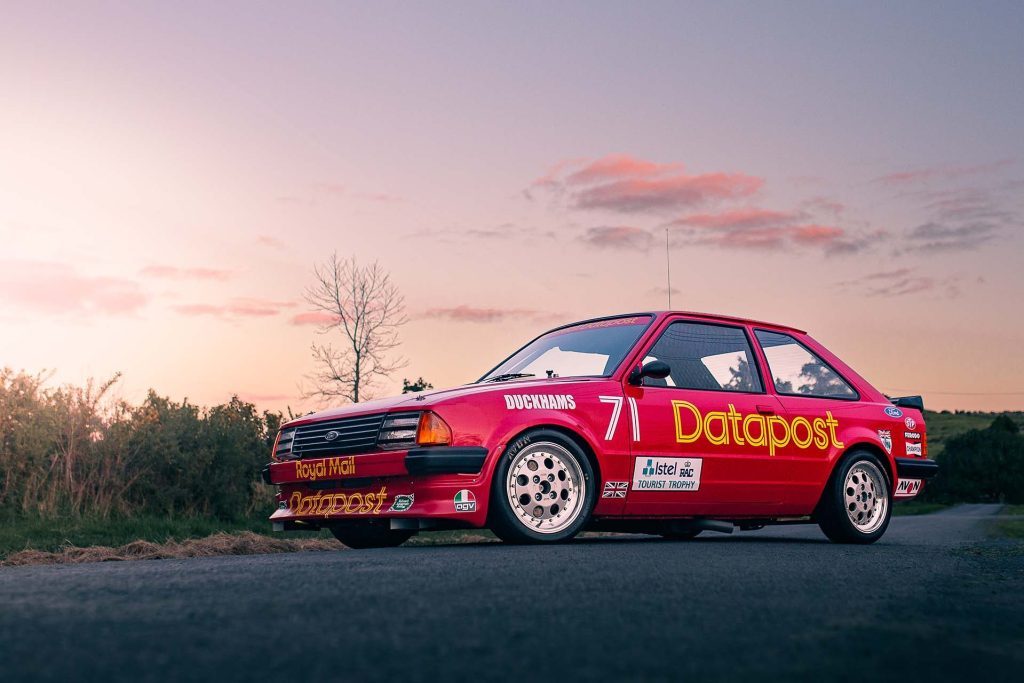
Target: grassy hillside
<point>944,425</point>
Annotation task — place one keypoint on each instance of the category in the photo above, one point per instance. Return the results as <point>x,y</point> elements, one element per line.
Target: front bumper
<point>435,460</point>
<point>419,488</point>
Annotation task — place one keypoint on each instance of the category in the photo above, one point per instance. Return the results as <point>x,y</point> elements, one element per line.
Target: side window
<point>710,357</point>
<point>799,372</point>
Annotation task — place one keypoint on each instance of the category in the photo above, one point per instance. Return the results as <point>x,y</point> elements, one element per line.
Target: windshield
<point>592,349</point>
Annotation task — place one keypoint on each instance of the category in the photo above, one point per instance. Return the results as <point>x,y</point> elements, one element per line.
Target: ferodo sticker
<point>907,488</point>
<point>666,474</point>
<point>465,501</point>
<point>347,503</point>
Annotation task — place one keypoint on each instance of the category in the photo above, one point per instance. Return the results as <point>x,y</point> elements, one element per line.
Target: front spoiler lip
<point>446,460</point>
<point>382,464</point>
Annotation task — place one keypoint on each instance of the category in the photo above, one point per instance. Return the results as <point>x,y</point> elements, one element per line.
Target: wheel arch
<point>574,436</point>
<point>872,448</point>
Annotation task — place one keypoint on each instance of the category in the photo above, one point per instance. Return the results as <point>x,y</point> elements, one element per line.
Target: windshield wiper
<point>509,375</point>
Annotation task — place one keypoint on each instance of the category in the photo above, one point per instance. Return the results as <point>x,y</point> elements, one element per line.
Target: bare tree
<point>365,309</point>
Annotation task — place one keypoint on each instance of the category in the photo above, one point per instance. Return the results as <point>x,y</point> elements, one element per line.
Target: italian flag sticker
<point>465,501</point>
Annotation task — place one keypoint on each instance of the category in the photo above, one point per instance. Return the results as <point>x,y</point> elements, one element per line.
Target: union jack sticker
<point>615,489</point>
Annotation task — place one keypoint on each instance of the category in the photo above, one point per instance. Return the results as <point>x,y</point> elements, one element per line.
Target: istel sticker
<point>666,474</point>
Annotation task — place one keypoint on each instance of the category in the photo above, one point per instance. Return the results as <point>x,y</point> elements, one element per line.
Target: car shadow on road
<point>638,540</point>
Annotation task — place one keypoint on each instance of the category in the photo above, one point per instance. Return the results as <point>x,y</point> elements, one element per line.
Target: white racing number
<point>634,416</point>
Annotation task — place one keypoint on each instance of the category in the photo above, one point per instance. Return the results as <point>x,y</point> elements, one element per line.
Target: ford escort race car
<point>666,423</point>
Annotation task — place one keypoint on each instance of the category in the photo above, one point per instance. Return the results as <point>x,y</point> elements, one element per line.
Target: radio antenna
<point>668,271</point>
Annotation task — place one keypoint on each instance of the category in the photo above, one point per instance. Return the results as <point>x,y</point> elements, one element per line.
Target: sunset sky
<point>169,174</point>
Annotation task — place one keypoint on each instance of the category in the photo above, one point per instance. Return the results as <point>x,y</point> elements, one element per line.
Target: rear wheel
<point>857,503</point>
<point>542,490</point>
<point>371,535</point>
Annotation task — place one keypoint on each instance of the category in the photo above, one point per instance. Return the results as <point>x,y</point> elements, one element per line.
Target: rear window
<point>797,371</point>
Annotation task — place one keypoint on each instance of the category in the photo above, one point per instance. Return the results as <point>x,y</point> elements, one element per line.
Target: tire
<point>363,535</point>
<point>857,503</point>
<point>546,464</point>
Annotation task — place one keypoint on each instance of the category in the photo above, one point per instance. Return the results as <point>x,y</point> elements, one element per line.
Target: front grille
<point>355,435</point>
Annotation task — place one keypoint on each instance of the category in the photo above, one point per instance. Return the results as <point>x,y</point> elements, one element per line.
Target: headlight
<point>283,447</point>
<point>406,430</point>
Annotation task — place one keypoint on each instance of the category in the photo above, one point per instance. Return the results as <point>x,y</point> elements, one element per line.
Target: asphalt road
<point>932,600</point>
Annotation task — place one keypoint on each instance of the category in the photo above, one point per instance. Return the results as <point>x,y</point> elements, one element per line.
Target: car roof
<point>695,314</point>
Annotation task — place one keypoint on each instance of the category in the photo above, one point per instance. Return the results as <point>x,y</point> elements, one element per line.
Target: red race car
<point>666,423</point>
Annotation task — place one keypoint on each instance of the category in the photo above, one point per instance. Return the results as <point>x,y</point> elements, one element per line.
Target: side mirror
<point>658,369</point>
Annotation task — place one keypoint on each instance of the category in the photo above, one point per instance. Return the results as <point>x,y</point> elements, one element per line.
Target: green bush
<point>70,451</point>
<point>982,465</point>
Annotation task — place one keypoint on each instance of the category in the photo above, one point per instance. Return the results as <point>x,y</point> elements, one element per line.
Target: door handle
<point>765,410</point>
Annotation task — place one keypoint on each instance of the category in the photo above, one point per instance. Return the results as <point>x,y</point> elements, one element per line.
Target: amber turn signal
<point>433,431</point>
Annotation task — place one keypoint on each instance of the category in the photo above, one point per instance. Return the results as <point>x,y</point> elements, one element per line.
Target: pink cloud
<point>619,166</point>
<point>752,228</point>
<point>175,273</point>
<point>269,241</point>
<point>941,172</point>
<point>58,288</point>
<point>314,318</point>
<point>774,237</point>
<point>626,184</point>
<point>899,282</point>
<point>815,234</point>
<point>236,308</point>
<point>739,219</point>
<point>618,237</point>
<point>471,314</point>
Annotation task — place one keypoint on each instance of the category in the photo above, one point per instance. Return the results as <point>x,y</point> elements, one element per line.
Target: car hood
<point>427,399</point>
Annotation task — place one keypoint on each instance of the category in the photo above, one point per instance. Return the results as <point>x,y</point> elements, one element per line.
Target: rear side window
<point>708,357</point>
<point>797,371</point>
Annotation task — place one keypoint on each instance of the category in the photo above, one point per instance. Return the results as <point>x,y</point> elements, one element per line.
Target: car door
<point>814,398</point>
<point>700,445</point>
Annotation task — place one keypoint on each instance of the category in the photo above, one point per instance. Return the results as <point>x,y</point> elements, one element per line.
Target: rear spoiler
<point>907,401</point>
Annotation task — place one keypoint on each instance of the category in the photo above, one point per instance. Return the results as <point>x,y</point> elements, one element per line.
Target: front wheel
<point>857,504</point>
<point>543,489</point>
<point>364,535</point>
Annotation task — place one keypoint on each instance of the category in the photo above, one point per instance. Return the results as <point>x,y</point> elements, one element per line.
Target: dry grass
<point>244,543</point>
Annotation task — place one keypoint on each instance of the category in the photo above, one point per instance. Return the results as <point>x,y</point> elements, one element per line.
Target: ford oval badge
<point>331,435</point>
